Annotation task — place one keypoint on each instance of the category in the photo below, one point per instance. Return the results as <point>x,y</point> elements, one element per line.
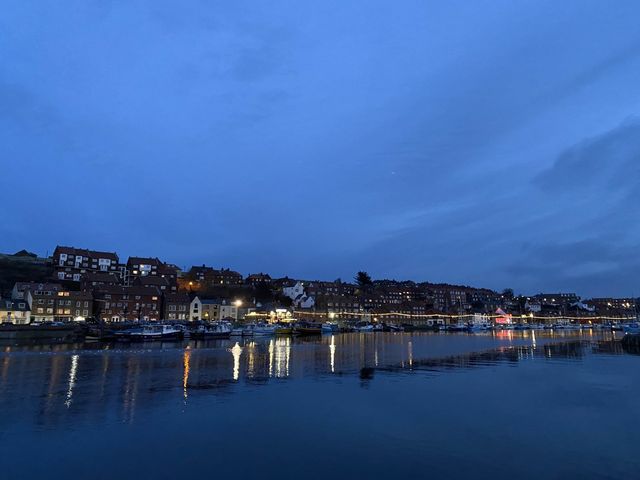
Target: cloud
<point>610,161</point>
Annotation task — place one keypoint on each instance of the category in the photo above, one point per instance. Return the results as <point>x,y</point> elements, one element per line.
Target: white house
<point>304,301</point>
<point>293,291</point>
<point>15,311</point>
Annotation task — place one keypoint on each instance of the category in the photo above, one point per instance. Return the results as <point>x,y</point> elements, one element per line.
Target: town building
<point>70,263</point>
<point>41,298</point>
<point>161,283</point>
<point>211,309</point>
<point>16,312</point>
<point>213,277</point>
<point>73,305</point>
<point>258,278</point>
<point>121,303</point>
<point>99,279</point>
<point>176,306</point>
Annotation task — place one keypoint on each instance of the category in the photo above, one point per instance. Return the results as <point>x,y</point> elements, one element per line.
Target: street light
<point>238,303</point>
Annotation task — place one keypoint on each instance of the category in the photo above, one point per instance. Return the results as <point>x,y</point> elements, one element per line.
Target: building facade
<point>71,264</point>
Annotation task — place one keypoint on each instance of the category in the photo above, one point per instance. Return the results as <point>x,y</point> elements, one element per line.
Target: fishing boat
<point>150,332</point>
<point>264,329</point>
<point>212,330</point>
<point>305,328</point>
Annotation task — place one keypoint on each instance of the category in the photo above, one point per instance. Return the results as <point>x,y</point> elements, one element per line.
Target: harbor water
<point>532,404</point>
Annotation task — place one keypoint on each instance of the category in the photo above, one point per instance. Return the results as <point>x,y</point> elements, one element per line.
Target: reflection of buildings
<point>48,384</point>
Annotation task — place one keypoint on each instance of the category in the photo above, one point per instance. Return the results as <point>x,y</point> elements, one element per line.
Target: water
<point>508,405</point>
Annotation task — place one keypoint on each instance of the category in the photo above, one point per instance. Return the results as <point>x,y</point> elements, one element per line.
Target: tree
<point>507,293</point>
<point>363,279</point>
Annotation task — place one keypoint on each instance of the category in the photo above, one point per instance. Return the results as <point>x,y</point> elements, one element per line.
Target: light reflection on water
<point>89,387</point>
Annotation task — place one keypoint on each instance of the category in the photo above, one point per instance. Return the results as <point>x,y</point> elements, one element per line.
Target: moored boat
<point>330,327</point>
<point>307,328</point>
<point>150,332</point>
<point>212,330</point>
<point>264,329</point>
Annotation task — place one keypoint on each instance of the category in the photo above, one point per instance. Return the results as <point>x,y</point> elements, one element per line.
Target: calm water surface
<point>412,405</point>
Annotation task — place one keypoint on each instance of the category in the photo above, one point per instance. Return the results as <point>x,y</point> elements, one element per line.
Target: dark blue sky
<point>488,143</point>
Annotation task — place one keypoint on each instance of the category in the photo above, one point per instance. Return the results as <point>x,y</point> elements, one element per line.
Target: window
<point>40,301</point>
<point>41,310</point>
<point>107,296</point>
<point>60,275</point>
<point>63,256</point>
<point>86,304</point>
<point>77,304</point>
<point>76,277</point>
<point>49,310</point>
<point>21,305</point>
<point>85,313</point>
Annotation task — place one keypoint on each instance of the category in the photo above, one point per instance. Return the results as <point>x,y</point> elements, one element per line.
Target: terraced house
<point>70,263</point>
<point>119,303</point>
<point>41,298</point>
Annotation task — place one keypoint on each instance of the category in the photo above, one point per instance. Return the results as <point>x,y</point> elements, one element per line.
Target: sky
<point>488,143</point>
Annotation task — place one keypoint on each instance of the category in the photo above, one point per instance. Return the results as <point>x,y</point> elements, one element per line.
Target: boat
<point>521,326</point>
<point>51,330</point>
<point>264,329</point>
<point>632,328</point>
<point>479,327</point>
<point>392,327</point>
<point>150,332</point>
<point>330,327</point>
<point>457,327</point>
<point>212,330</point>
<point>305,328</point>
<point>363,327</point>
<point>284,329</point>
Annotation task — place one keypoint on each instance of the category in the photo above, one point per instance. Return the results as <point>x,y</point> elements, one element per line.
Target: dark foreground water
<point>510,405</point>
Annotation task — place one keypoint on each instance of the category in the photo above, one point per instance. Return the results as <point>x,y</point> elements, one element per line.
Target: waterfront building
<point>122,303</point>
<point>212,309</point>
<point>70,263</point>
<point>41,298</point>
<point>72,305</point>
<point>176,306</point>
<point>16,312</point>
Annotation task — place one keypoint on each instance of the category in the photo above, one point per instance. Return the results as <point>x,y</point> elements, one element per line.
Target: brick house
<point>120,303</point>
<point>70,263</point>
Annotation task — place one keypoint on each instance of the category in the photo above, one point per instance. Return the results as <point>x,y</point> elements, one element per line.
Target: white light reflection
<point>282,355</point>
<point>236,351</point>
<point>410,351</point>
<point>72,380</point>
<point>271,348</point>
<point>332,353</point>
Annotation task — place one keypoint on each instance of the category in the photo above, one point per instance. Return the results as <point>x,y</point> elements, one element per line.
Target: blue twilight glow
<point>488,143</point>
